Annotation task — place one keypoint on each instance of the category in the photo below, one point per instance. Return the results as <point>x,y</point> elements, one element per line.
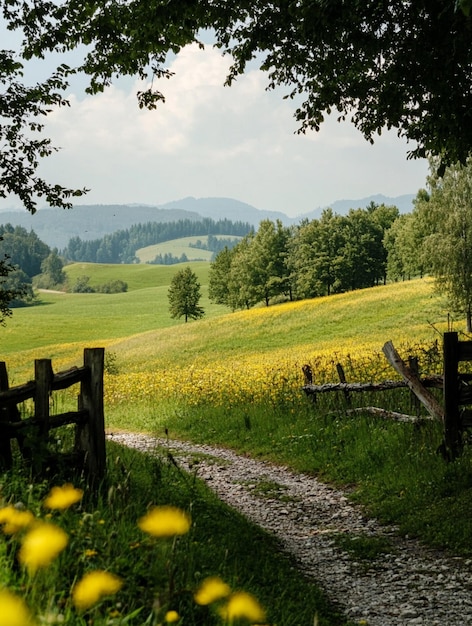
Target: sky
<point>208,140</point>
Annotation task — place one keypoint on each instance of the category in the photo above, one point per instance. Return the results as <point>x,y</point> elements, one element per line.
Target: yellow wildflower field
<point>256,356</point>
<point>273,378</point>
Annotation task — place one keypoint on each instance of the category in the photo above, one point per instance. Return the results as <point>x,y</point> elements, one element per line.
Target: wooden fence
<point>89,452</point>
<point>456,391</point>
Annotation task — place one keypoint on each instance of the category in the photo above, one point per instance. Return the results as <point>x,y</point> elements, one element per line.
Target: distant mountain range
<point>57,226</point>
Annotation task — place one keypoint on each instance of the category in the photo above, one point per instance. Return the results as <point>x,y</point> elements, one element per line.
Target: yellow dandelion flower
<point>63,497</point>
<point>211,590</point>
<point>42,545</point>
<point>89,553</point>
<point>13,610</point>
<point>93,587</point>
<point>13,520</point>
<point>165,521</point>
<point>242,605</point>
<point>171,617</point>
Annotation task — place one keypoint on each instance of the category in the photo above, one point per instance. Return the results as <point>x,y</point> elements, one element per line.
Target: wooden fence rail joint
<point>88,418</point>
<point>456,389</point>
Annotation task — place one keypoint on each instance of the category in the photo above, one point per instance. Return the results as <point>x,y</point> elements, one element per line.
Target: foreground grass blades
<point>148,550</point>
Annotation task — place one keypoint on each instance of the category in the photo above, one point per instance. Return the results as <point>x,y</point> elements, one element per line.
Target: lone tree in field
<point>382,65</point>
<point>184,295</point>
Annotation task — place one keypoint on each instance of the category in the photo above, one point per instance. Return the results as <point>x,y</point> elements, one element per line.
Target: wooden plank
<point>390,415</point>
<point>43,377</point>
<point>65,379</point>
<point>91,436</point>
<point>413,382</point>
<point>452,419</point>
<point>5,411</point>
<point>61,419</point>
<point>61,380</point>
<point>18,394</point>
<point>342,379</point>
<point>356,387</point>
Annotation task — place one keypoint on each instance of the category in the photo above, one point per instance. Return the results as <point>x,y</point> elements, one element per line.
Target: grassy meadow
<point>177,247</point>
<point>234,379</point>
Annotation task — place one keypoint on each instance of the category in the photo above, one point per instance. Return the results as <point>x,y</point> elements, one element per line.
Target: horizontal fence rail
<point>89,446</point>
<point>456,389</point>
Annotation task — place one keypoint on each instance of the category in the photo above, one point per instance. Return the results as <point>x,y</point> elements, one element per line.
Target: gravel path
<point>411,585</point>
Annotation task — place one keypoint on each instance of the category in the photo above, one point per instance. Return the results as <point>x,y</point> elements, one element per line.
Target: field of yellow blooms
<point>256,356</point>
<point>271,379</point>
<point>39,543</point>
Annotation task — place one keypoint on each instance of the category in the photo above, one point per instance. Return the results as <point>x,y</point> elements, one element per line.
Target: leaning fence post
<point>451,393</point>
<point>91,435</point>
<point>414,368</point>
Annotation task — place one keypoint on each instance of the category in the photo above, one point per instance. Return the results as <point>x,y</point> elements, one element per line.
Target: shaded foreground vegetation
<point>235,380</point>
<point>156,578</point>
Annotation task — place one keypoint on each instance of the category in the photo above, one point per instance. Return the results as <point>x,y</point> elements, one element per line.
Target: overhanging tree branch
<point>22,111</point>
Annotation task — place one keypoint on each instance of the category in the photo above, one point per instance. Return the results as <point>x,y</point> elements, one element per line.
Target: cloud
<point>211,140</point>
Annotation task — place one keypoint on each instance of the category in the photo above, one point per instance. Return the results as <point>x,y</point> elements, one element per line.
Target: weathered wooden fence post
<point>91,435</point>
<point>342,379</point>
<point>5,448</point>
<point>452,425</point>
<point>43,376</point>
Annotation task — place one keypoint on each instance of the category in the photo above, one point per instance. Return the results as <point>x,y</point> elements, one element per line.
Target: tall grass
<point>235,379</point>
<point>158,576</point>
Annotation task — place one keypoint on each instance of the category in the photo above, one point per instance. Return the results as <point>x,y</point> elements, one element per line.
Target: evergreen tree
<point>184,295</point>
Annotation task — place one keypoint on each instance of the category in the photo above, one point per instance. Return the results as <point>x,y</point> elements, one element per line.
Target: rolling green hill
<point>235,379</point>
<point>138,325</point>
<point>136,276</point>
<point>176,248</point>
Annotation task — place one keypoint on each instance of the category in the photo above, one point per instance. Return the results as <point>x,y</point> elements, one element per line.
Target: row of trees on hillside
<point>121,246</point>
<point>332,254</point>
<point>339,253</point>
<point>436,238</point>
<point>24,256</point>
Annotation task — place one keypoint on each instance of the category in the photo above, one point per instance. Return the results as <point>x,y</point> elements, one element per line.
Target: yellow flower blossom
<point>89,553</point>
<point>13,610</point>
<point>211,590</point>
<point>165,521</point>
<point>242,605</point>
<point>63,497</point>
<point>42,545</point>
<point>13,520</point>
<point>93,587</point>
<point>171,617</point>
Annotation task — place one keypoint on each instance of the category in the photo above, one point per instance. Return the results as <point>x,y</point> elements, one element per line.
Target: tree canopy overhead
<point>404,65</point>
